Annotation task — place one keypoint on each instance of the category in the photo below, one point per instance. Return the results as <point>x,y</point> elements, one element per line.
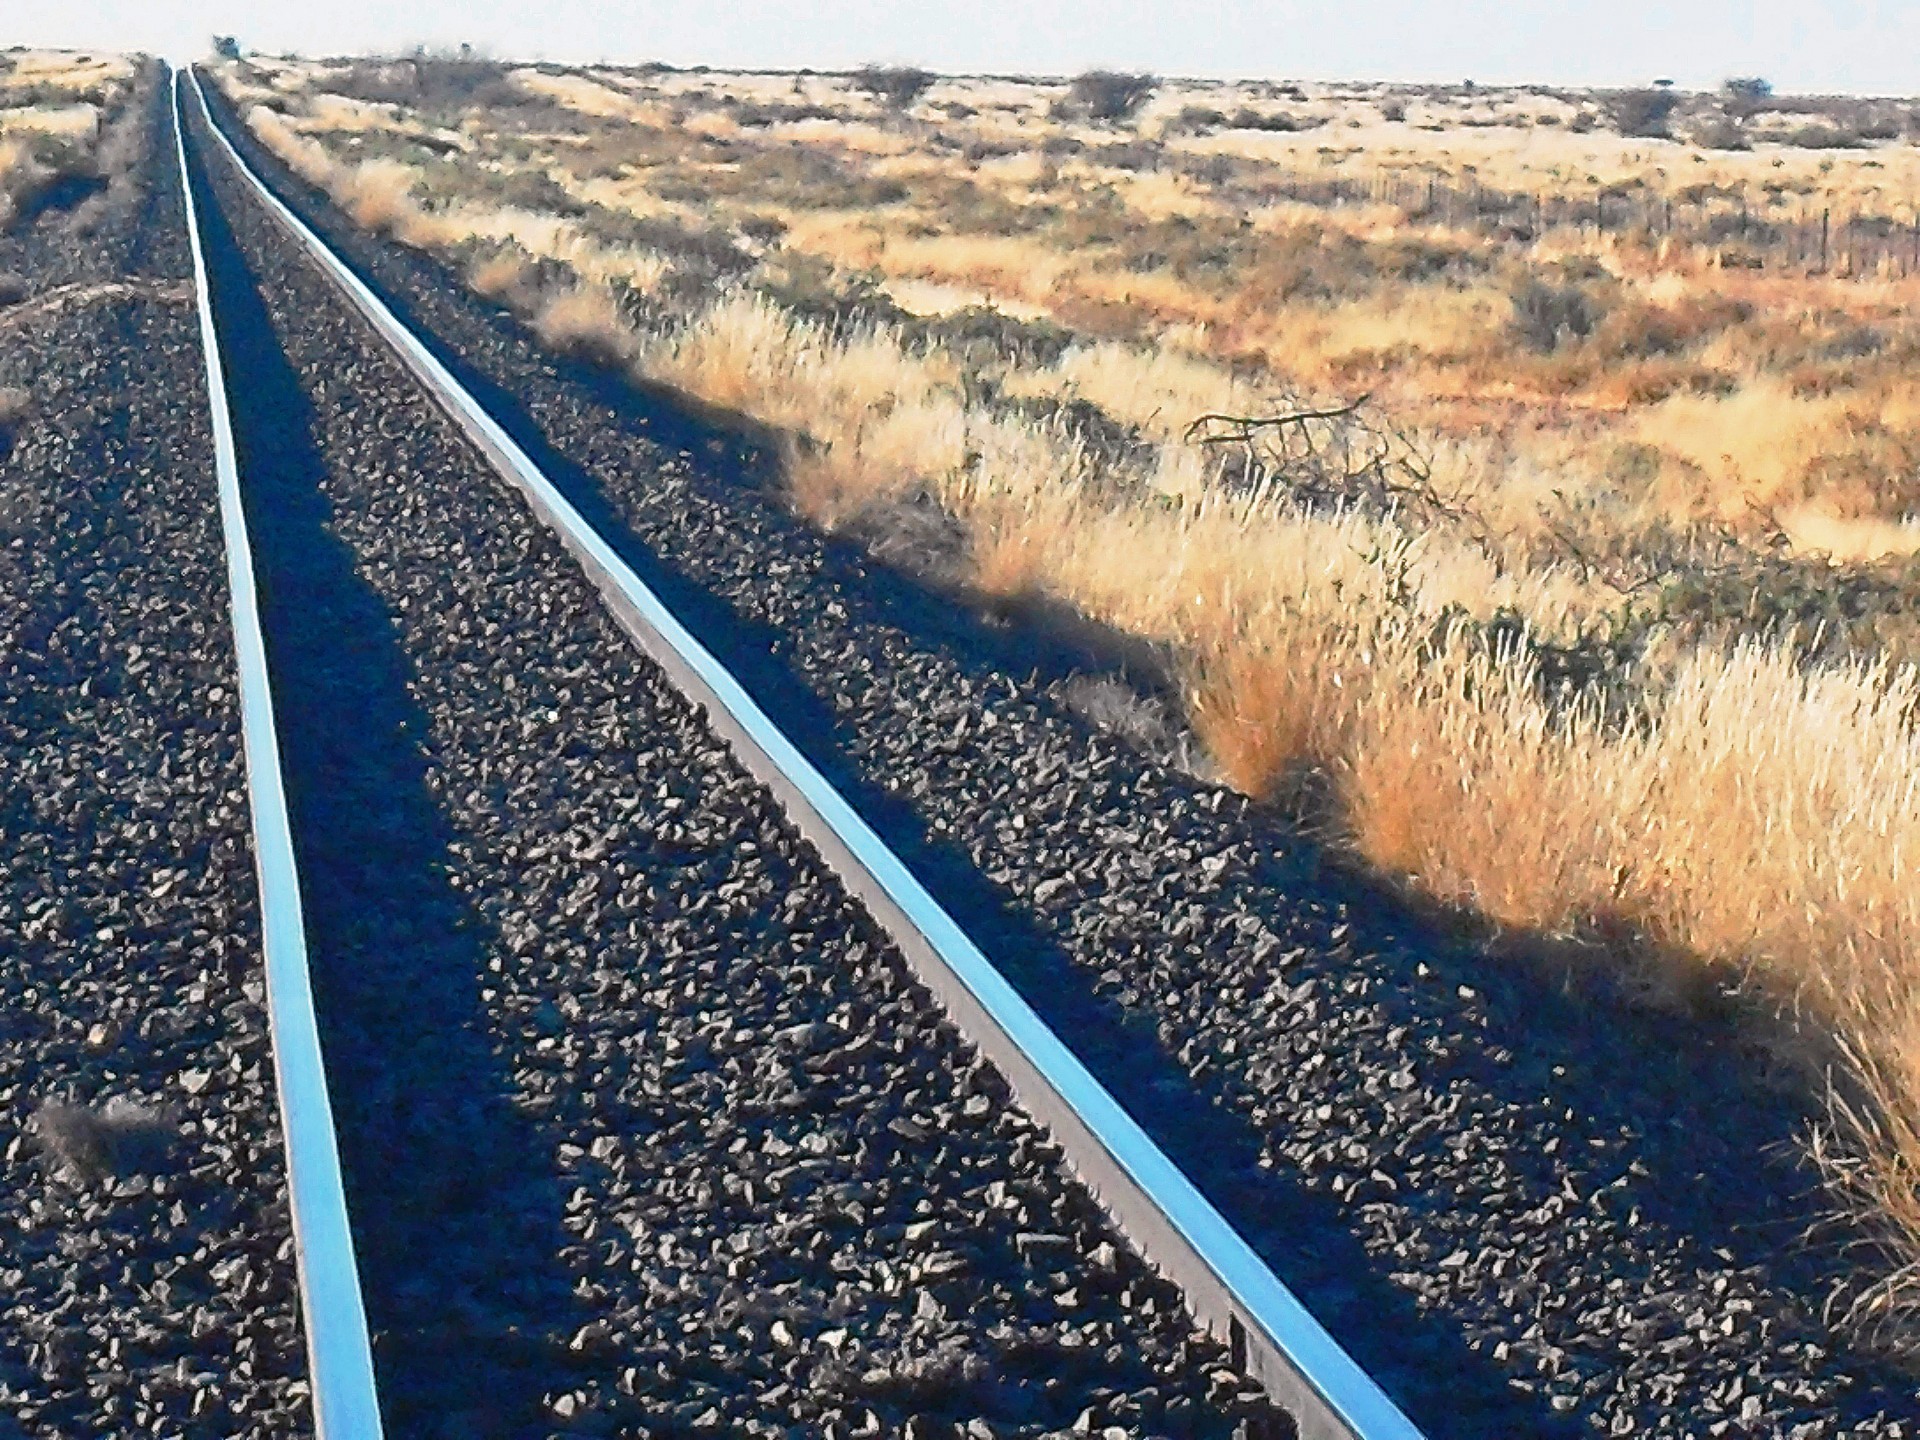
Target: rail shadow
<point>1620,1061</point>
<point>453,1200</point>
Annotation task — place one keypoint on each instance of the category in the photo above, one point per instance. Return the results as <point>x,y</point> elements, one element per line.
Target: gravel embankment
<point>643,1121</point>
<point>146,1278</point>
<point>1527,1210</point>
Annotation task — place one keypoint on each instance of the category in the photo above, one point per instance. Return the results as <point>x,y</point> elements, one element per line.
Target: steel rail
<point>1227,1286</point>
<point>339,1355</point>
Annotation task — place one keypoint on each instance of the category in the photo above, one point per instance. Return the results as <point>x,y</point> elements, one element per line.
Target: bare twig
<point>1248,425</point>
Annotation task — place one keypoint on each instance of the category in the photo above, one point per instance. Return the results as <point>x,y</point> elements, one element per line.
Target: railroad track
<point>432,569</point>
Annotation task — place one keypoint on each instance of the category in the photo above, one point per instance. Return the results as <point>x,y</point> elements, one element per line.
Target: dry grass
<point>586,322</point>
<point>506,278</point>
<point>1745,825</point>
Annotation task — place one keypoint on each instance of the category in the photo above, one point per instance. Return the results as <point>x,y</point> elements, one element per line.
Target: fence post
<point>1826,220</point>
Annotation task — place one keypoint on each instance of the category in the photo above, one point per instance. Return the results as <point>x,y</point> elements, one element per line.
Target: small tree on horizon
<point>1643,113</point>
<point>1109,94</point>
<point>898,85</point>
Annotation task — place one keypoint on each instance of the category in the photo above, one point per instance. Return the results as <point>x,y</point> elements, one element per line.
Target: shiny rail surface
<point>339,1356</point>
<point>1228,1287</point>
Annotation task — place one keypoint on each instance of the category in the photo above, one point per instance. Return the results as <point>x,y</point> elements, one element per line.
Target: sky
<point>1819,46</point>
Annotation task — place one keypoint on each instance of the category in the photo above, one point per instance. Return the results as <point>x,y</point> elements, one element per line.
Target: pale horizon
<point>1811,46</point>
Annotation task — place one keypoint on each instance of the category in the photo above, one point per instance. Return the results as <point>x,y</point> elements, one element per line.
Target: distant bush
<point>1394,111</point>
<point>1131,155</point>
<point>978,149</point>
<point>756,115</point>
<point>1819,136</point>
<point>1642,113</point>
<point>1109,94</point>
<point>1197,119</point>
<point>763,229</point>
<point>1279,121</point>
<point>1213,169</point>
<point>1547,316</point>
<point>898,85</point>
<point>1722,132</point>
<point>433,80</point>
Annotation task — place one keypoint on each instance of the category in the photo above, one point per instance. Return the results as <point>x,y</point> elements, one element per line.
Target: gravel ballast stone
<point>688,1152</point>
<point>146,1271</point>
<point>1581,1217</point>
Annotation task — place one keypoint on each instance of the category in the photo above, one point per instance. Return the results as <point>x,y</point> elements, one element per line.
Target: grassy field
<point>1530,478</point>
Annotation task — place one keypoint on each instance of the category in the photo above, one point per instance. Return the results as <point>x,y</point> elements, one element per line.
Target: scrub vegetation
<point>70,134</point>
<point>1524,484</point>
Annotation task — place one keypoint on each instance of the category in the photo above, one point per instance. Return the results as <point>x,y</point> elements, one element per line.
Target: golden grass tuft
<point>505,278</point>
<point>378,195</point>
<point>302,154</point>
<point>585,322</point>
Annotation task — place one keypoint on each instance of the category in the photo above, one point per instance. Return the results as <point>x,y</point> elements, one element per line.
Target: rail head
<point>1178,1230</point>
<point>339,1354</point>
